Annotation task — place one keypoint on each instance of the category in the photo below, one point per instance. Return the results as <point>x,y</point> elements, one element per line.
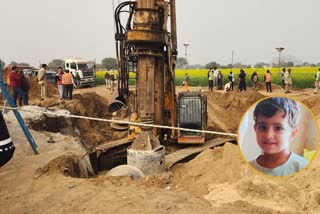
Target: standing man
<point>316,83</point>
<point>254,79</point>
<point>288,81</point>
<point>78,79</point>
<point>15,83</point>
<point>210,78</point>
<point>42,78</point>
<point>268,80</point>
<point>25,86</point>
<point>215,76</point>
<point>107,79</point>
<point>231,80</point>
<point>242,80</point>
<point>282,78</point>
<point>220,78</point>
<point>67,82</point>
<point>112,81</point>
<point>186,82</point>
<point>59,82</point>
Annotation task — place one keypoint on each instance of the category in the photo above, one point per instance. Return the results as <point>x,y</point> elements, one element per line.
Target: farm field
<point>303,77</point>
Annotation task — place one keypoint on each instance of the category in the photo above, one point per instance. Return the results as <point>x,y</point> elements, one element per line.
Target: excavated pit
<point>69,165</point>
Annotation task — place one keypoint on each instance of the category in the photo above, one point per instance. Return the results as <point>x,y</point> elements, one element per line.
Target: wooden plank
<point>175,157</point>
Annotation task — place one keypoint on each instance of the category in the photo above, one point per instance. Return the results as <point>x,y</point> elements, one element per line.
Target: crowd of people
<point>66,82</point>
<point>64,79</point>
<point>215,78</point>
<point>19,85</point>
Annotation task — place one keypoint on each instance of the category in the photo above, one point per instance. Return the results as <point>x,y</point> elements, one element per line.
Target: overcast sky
<point>37,31</point>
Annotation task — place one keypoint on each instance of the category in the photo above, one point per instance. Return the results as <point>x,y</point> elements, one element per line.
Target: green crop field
<point>303,77</point>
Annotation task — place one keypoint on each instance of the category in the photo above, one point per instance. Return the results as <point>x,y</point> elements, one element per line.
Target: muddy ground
<point>216,181</point>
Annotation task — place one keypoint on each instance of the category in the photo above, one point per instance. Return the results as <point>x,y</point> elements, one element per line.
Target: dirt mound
<point>34,91</point>
<point>231,183</point>
<point>313,103</point>
<point>209,166</point>
<point>226,109</point>
<point>57,165</point>
<point>69,165</point>
<point>90,105</point>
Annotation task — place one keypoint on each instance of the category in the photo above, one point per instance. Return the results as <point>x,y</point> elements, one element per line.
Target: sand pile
<point>57,165</point>
<point>314,104</point>
<point>34,91</point>
<point>218,165</point>
<point>226,109</point>
<point>228,182</point>
<point>91,105</point>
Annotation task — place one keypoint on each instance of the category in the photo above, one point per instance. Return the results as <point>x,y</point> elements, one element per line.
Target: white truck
<point>83,71</point>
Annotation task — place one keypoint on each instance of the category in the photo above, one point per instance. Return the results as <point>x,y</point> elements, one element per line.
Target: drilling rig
<point>147,46</point>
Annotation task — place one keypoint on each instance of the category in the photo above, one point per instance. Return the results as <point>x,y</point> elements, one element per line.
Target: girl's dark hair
<point>269,107</point>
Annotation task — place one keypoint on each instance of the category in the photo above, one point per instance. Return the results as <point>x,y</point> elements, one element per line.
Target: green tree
<point>56,63</point>
<point>290,64</point>
<point>181,62</point>
<point>23,64</point>
<point>12,63</point>
<point>109,63</point>
<point>212,64</point>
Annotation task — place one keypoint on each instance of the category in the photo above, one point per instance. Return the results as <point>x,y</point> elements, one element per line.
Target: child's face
<point>274,134</point>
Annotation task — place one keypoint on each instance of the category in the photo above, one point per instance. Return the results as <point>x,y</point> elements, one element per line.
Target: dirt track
<point>217,181</point>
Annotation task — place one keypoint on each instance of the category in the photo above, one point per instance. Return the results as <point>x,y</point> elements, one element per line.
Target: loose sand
<point>216,181</point>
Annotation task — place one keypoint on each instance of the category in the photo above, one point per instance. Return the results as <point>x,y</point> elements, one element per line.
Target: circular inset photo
<point>278,136</point>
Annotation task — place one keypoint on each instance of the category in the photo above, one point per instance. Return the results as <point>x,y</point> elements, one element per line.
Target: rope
<point>121,122</point>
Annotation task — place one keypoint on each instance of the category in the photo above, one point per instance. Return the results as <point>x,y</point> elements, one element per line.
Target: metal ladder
<point>6,96</point>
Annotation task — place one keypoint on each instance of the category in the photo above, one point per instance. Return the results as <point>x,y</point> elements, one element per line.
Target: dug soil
<point>216,181</point>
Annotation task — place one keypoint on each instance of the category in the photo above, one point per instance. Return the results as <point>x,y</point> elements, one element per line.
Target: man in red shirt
<point>15,82</point>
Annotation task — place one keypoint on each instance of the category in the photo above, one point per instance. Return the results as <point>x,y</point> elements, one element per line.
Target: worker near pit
<point>77,78</point>
<point>6,146</point>
<point>242,80</point>
<point>15,82</point>
<point>210,78</point>
<point>42,80</point>
<point>113,81</point>
<point>231,80</point>
<point>67,82</point>
<point>227,86</point>
<point>186,82</point>
<point>59,82</point>
<point>215,76</point>
<point>220,79</point>
<point>317,82</point>
<point>254,80</point>
<point>107,79</point>
<point>288,81</point>
<point>25,86</point>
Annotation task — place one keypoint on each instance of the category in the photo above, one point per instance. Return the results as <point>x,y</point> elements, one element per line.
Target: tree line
<point>110,63</point>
